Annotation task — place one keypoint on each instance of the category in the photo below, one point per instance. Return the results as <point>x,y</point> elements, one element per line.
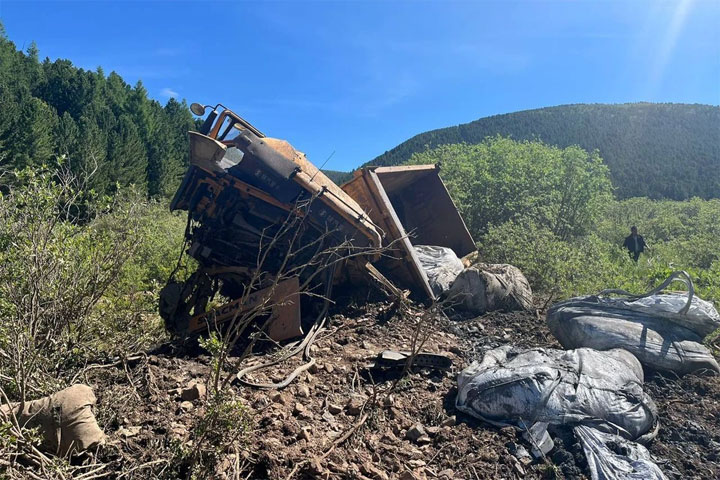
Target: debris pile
<point>596,387</point>
<point>261,216</point>
<point>264,225</point>
<point>599,392</point>
<point>297,425</point>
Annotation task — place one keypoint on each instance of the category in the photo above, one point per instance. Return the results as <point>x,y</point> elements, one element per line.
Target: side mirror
<point>197,109</point>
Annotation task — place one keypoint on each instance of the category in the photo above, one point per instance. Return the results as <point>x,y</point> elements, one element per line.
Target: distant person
<point>635,244</point>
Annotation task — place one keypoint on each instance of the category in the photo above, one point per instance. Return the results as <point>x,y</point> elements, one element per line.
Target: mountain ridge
<point>658,150</point>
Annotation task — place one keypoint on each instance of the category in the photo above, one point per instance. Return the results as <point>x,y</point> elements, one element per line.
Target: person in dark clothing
<point>635,244</point>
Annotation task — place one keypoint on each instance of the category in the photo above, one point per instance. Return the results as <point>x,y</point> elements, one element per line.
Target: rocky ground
<point>343,420</point>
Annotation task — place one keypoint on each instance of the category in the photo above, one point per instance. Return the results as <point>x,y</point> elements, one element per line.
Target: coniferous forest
<point>96,124</point>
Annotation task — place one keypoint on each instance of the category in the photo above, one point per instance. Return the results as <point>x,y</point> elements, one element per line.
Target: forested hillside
<point>338,176</point>
<point>653,150</point>
<point>93,122</point>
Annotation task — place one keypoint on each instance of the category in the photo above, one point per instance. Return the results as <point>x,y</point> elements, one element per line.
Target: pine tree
<point>33,70</point>
<point>115,93</point>
<point>90,162</point>
<point>67,134</point>
<point>127,156</point>
<point>31,138</point>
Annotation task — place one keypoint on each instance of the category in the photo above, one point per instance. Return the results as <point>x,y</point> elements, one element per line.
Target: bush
<point>553,266</point>
<point>590,263</point>
<point>79,276</point>
<point>499,180</point>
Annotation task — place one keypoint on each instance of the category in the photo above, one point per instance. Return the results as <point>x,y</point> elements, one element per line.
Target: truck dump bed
<point>411,205</point>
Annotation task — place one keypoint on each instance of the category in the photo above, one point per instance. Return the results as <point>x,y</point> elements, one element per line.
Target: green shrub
<point>77,287</point>
<point>498,180</point>
<point>590,263</point>
<point>550,212</point>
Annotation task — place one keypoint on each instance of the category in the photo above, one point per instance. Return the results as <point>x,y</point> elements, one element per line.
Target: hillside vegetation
<point>338,176</point>
<point>96,124</point>
<point>549,211</point>
<point>652,150</point>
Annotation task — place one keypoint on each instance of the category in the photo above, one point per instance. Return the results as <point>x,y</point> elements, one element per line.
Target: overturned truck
<point>264,225</point>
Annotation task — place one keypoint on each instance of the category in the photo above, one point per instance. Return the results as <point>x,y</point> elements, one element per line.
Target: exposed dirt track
<point>413,432</point>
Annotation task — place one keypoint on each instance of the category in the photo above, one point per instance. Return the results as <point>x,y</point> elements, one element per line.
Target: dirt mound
<point>338,420</point>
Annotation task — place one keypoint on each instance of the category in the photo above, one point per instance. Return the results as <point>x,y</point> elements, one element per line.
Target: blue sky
<point>358,77</point>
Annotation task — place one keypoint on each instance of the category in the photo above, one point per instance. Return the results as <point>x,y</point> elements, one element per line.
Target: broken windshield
<point>229,129</point>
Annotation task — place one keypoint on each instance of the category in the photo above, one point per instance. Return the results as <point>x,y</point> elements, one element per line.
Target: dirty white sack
<point>441,266</point>
<point>65,418</point>
<point>522,388</point>
<point>651,328</point>
<point>624,461</point>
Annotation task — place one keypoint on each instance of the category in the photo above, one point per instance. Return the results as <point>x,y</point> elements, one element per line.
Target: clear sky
<point>358,77</point>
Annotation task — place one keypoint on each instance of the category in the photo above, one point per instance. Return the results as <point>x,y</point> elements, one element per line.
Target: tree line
<point>91,122</point>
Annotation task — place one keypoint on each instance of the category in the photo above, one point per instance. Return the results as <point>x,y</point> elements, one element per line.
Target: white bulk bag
<point>576,387</point>
<point>441,266</point>
<point>489,287</point>
<point>664,331</point>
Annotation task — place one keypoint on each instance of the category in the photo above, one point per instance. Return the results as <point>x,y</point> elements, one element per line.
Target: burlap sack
<point>65,418</point>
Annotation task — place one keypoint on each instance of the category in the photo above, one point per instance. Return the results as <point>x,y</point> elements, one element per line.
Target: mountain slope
<point>655,150</point>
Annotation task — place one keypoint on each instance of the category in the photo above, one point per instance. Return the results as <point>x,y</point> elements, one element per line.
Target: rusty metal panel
<point>284,321</point>
<point>407,257</point>
<point>401,263</point>
<point>313,180</point>
<point>284,174</point>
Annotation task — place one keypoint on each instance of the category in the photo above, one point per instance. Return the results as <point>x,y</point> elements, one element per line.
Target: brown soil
<point>299,432</point>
